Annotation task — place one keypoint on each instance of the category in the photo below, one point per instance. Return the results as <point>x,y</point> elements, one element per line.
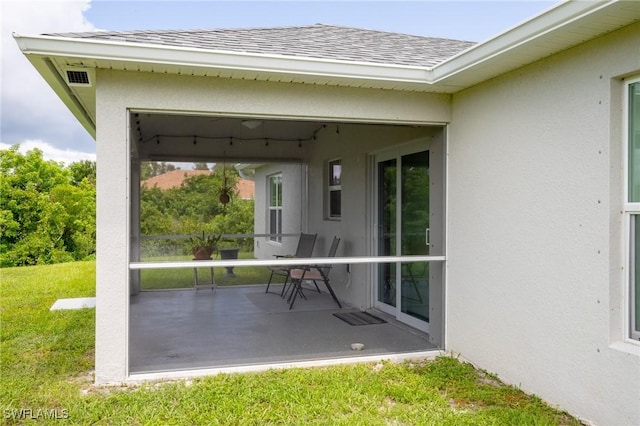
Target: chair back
<point>332,253</point>
<point>334,247</point>
<point>305,245</point>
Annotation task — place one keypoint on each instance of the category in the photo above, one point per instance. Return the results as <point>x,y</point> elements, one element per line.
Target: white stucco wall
<point>118,91</point>
<point>294,208</point>
<point>353,144</point>
<point>535,247</point>
<point>112,238</point>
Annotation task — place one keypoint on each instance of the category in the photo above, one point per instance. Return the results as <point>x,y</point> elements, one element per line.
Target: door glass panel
<point>635,277</point>
<point>414,213</point>
<point>634,142</point>
<point>387,206</point>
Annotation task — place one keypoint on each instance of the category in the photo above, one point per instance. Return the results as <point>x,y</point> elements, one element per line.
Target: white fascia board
<point>552,19</point>
<point>215,59</point>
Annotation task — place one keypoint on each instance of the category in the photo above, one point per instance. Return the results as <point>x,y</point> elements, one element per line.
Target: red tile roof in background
<point>246,189</point>
<point>174,178</point>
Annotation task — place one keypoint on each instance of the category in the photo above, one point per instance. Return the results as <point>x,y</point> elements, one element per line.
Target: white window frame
<point>631,209</point>
<point>278,208</point>
<point>332,188</point>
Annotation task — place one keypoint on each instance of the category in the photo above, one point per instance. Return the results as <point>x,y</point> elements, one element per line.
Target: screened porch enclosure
<point>314,177</point>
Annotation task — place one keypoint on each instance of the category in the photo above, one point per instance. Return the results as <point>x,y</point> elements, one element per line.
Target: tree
<point>79,227</point>
<point>237,219</point>
<point>84,169</point>
<point>154,168</point>
<point>200,166</point>
<point>195,207</point>
<point>47,215</point>
<point>47,210</point>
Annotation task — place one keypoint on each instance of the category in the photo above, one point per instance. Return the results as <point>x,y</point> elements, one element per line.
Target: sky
<point>33,116</point>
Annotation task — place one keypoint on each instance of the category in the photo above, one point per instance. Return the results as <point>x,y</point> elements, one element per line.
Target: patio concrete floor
<point>239,326</point>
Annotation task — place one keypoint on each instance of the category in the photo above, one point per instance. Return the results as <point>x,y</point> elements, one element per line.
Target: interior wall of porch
<point>118,92</point>
<point>294,208</point>
<point>353,144</point>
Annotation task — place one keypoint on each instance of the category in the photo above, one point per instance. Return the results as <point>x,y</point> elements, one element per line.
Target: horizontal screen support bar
<point>223,236</point>
<point>284,262</point>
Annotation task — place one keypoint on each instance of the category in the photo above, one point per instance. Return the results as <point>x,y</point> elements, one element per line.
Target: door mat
<point>359,318</point>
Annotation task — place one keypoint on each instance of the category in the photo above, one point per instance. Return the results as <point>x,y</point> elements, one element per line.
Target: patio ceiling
<point>208,126</point>
<point>169,136</point>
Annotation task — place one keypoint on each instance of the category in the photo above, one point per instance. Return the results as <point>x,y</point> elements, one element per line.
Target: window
<point>632,205</point>
<point>275,208</point>
<point>335,189</point>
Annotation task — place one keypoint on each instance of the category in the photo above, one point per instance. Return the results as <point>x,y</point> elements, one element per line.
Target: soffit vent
<point>78,78</point>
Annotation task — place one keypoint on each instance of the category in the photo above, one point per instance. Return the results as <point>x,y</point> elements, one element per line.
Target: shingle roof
<point>314,41</point>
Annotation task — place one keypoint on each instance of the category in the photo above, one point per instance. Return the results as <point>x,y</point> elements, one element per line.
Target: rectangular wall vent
<point>78,78</point>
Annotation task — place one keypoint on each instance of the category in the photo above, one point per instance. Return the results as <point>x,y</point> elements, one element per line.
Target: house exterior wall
<point>535,247</point>
<point>112,237</point>
<point>353,144</point>
<point>118,91</point>
<point>293,209</point>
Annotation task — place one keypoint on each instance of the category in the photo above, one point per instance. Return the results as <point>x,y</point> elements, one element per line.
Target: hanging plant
<point>225,195</point>
<point>225,192</point>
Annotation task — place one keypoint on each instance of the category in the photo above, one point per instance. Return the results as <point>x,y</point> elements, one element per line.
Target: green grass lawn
<point>46,362</point>
<point>157,279</point>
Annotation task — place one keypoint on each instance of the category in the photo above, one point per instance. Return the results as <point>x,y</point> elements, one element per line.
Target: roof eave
<point>47,70</point>
<point>472,66</point>
<point>553,21</point>
<point>98,50</point>
<point>41,51</point>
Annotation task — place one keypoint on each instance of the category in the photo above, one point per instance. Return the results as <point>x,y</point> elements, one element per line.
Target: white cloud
<point>50,152</point>
<point>30,110</point>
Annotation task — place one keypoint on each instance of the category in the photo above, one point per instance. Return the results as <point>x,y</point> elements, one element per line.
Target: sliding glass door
<point>403,229</point>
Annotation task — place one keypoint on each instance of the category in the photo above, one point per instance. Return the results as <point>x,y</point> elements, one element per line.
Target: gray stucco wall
<point>353,144</point>
<point>294,208</point>
<point>535,279</point>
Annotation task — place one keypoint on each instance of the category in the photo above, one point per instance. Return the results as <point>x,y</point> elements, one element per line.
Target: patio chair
<point>304,249</point>
<point>313,273</point>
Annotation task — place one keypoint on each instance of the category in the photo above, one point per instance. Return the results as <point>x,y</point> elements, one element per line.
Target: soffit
<point>413,80</point>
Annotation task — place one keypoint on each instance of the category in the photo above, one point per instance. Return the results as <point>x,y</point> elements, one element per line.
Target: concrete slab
<point>75,303</point>
<point>238,326</point>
